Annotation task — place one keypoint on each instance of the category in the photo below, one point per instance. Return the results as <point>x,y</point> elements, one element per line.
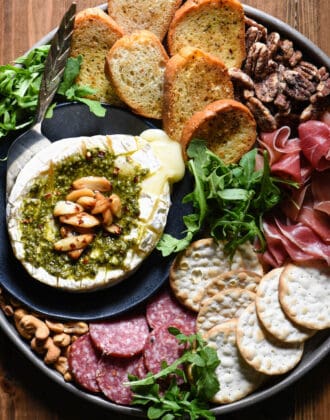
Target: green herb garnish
<point>229,200</point>
<point>186,400</point>
<point>19,89</point>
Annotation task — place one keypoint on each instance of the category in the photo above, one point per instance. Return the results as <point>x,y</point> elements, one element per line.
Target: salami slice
<point>161,346</point>
<point>111,375</point>
<point>83,361</point>
<point>120,338</point>
<point>164,309</point>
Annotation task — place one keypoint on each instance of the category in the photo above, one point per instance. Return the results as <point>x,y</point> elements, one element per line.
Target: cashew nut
<point>62,340</point>
<point>78,328</point>
<point>38,346</point>
<point>56,327</point>
<point>29,326</point>
<point>62,366</point>
<point>52,352</point>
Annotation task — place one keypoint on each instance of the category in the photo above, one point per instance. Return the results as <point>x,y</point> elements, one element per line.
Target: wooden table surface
<point>26,393</point>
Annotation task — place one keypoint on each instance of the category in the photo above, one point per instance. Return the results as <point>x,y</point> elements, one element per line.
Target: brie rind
<point>154,201</point>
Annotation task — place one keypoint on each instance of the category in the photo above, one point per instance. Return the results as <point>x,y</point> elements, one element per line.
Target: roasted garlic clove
<point>82,192</point>
<point>95,183</point>
<point>66,207</point>
<point>83,220</point>
<point>74,242</point>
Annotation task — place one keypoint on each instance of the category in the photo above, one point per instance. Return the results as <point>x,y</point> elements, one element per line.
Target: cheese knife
<point>32,141</point>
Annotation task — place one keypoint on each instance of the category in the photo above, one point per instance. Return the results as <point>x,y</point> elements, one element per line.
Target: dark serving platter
<point>316,348</point>
<point>74,120</point>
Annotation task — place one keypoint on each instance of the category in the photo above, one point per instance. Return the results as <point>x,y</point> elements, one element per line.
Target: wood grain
<point>26,393</point>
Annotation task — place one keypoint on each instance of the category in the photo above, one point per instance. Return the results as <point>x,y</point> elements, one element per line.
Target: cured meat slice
<point>321,191</point>
<point>303,238</point>
<point>83,362</point>
<point>315,143</point>
<point>161,347</point>
<point>164,309</point>
<point>121,338</point>
<point>318,221</point>
<point>112,373</point>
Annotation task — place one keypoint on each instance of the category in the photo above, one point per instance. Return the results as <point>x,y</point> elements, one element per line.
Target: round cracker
<point>194,268</point>
<point>236,278</point>
<point>237,378</point>
<point>223,307</point>
<point>262,351</point>
<point>304,294</point>
<point>250,258</point>
<point>271,314</point>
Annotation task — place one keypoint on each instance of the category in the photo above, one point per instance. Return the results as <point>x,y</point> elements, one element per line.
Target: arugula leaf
<point>229,200</point>
<point>189,398</point>
<point>19,89</point>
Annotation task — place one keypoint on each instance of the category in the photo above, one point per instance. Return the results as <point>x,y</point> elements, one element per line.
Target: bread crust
<point>143,90</point>
<point>228,44</point>
<point>193,79</point>
<point>152,15</point>
<point>94,34</point>
<point>211,124</point>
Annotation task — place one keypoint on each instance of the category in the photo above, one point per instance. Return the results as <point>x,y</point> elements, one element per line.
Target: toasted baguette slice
<point>136,65</point>
<point>94,34</point>
<point>193,79</point>
<point>227,126</point>
<point>153,15</point>
<point>215,26</point>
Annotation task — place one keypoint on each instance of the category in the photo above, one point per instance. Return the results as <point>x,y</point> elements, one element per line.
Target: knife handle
<point>55,63</point>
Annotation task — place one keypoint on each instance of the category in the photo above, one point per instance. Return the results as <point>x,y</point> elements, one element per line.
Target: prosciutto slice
<point>317,221</point>
<point>284,154</point>
<point>321,191</point>
<point>306,240</point>
<point>315,143</point>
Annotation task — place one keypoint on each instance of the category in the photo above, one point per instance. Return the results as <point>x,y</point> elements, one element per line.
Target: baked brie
<point>85,212</point>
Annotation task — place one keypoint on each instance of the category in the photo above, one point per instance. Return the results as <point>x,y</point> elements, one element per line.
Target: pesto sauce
<point>40,230</point>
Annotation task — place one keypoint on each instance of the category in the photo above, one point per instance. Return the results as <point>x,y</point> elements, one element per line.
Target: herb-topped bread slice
<point>153,15</point>
<point>94,34</point>
<point>136,65</point>
<point>215,26</point>
<point>193,79</point>
<point>227,126</point>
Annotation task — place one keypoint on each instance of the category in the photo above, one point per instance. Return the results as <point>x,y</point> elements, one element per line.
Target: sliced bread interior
<point>227,126</point>
<point>153,15</point>
<point>193,79</point>
<point>136,65</point>
<point>94,34</point>
<point>215,26</point>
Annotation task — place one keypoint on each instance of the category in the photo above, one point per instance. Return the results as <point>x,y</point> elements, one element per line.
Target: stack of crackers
<point>257,322</point>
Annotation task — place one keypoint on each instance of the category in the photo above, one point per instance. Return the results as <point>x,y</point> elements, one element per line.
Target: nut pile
<point>48,338</point>
<point>277,85</point>
<point>85,208</point>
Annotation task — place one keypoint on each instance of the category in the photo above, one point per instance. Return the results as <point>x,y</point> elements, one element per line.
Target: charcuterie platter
<point>135,295</point>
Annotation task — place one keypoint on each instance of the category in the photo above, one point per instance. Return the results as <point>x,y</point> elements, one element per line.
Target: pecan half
<point>273,43</point>
<point>256,64</point>
<point>267,89</point>
<point>307,70</point>
<point>239,77</point>
<point>262,115</point>
<point>297,86</point>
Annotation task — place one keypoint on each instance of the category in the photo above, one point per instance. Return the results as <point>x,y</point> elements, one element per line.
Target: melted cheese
<point>152,150</point>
